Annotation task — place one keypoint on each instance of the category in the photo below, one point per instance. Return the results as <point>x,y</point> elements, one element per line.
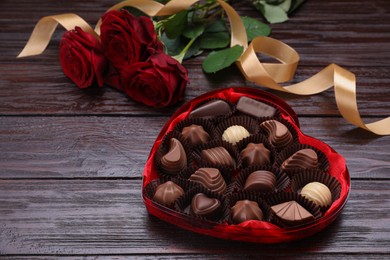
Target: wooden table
<point>71,160</point>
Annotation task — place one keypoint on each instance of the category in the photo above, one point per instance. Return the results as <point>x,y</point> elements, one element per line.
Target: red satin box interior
<point>251,230</point>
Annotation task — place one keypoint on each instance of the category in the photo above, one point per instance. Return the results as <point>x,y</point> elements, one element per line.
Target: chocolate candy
<point>278,134</point>
<point>245,210</point>
<point>261,181</point>
<point>234,134</point>
<point>318,193</point>
<point>302,159</point>
<point>255,108</point>
<point>167,193</point>
<point>292,213</point>
<point>175,159</point>
<point>256,154</point>
<point>218,156</point>
<point>210,178</point>
<point>195,134</point>
<point>211,109</point>
<point>204,206</point>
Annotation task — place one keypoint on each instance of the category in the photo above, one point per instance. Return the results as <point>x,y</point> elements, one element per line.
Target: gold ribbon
<point>264,74</point>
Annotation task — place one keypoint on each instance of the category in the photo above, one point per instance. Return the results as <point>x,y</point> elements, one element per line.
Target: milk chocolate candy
<point>218,156</point>
<point>318,193</point>
<point>278,134</point>
<point>234,134</point>
<point>245,210</point>
<point>175,159</point>
<point>210,178</point>
<point>256,154</point>
<point>195,134</point>
<point>167,193</point>
<point>302,159</point>
<point>255,108</point>
<point>204,206</point>
<point>260,181</point>
<point>292,213</point>
<point>211,109</point>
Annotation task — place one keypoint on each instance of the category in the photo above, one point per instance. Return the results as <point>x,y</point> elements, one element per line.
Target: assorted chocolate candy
<point>246,151</point>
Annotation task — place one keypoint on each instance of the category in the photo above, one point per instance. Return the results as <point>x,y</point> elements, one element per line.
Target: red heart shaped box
<point>250,231</point>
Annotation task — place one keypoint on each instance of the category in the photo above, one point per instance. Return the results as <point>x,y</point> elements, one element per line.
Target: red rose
<point>82,58</point>
<point>158,82</point>
<point>127,39</point>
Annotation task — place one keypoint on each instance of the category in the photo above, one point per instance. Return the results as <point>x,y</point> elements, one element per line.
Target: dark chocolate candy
<point>167,193</point>
<point>204,206</point>
<point>278,134</point>
<point>261,181</point>
<point>302,159</point>
<point>175,159</point>
<point>211,109</point>
<point>245,210</point>
<point>195,134</point>
<point>256,154</point>
<point>292,213</point>
<point>234,134</point>
<point>218,156</point>
<point>210,178</point>
<point>255,108</point>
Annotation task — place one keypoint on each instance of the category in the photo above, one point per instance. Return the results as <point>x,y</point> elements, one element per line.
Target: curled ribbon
<point>264,74</point>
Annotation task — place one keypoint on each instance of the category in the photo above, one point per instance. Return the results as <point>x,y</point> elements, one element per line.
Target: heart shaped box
<point>249,231</point>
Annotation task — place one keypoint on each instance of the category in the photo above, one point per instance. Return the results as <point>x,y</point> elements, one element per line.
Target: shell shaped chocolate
<point>175,159</point>
<point>260,181</point>
<point>195,134</point>
<point>292,213</point>
<point>234,134</point>
<point>167,193</point>
<point>210,178</point>
<point>245,210</point>
<point>318,193</point>
<point>302,159</point>
<point>218,156</point>
<point>204,206</point>
<point>278,134</point>
<point>256,154</point>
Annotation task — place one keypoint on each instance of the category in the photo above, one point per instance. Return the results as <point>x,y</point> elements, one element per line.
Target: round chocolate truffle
<point>210,178</point>
<point>256,154</point>
<point>195,134</point>
<point>261,181</point>
<point>167,193</point>
<point>234,134</point>
<point>245,210</point>
<point>318,193</point>
<point>175,159</point>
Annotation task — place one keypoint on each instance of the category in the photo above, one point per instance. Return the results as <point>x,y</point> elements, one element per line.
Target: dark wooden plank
<point>84,147</point>
<point>107,217</point>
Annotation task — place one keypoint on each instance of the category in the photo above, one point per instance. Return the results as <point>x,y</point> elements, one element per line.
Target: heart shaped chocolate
<point>259,167</point>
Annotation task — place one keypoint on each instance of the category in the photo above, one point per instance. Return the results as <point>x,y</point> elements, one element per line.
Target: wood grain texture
<point>108,217</point>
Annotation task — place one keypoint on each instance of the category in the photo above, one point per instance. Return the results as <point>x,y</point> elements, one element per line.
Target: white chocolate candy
<point>317,193</point>
<point>234,134</point>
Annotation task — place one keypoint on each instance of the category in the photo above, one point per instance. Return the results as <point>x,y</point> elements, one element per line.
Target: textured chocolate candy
<point>292,213</point>
<point>318,193</point>
<point>302,159</point>
<point>261,181</point>
<point>204,206</point>
<point>175,159</point>
<point>195,134</point>
<point>245,210</point>
<point>167,193</point>
<point>256,154</point>
<point>234,134</point>
<point>211,109</point>
<point>255,108</point>
<point>278,134</point>
<point>210,178</point>
<point>218,156</point>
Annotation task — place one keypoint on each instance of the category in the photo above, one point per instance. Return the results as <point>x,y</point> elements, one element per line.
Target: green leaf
<point>218,60</point>
<point>255,28</point>
<point>173,46</point>
<point>295,4</point>
<point>285,5</point>
<point>274,14</point>
<point>216,26</point>
<point>194,31</point>
<point>176,24</point>
<point>215,40</point>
